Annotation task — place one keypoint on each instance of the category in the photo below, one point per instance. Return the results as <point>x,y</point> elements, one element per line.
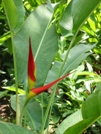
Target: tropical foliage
<point>50,65</point>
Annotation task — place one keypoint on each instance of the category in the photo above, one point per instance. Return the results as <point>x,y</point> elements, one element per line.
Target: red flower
<point>32,76</point>
<point>31,67</point>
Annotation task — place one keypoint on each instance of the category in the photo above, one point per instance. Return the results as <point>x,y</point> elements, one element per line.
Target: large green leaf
<point>92,106</point>
<point>76,13</point>
<point>20,14</point>
<point>44,43</point>
<point>79,127</point>
<point>8,128</point>
<point>90,112</point>
<point>33,112</point>
<point>11,12</point>
<point>34,115</point>
<point>69,122</point>
<point>14,12</point>
<point>76,55</point>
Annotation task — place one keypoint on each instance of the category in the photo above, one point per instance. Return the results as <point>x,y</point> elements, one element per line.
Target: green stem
<point>16,85</point>
<point>26,89</point>
<point>42,104</point>
<point>22,113</point>
<point>15,69</point>
<point>54,90</point>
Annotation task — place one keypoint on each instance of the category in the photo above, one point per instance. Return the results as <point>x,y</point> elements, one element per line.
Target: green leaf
<point>76,55</point>
<point>14,12</point>
<point>11,88</point>
<point>79,127</point>
<point>66,22</point>
<point>33,111</point>
<point>11,12</point>
<point>89,113</point>
<point>92,106</point>
<point>9,128</point>
<point>77,12</point>
<point>34,115</point>
<point>44,44</point>
<point>69,122</point>
<point>20,14</point>
<point>13,101</point>
<point>3,93</point>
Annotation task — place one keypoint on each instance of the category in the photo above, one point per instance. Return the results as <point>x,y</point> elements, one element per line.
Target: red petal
<point>43,88</point>
<point>31,67</point>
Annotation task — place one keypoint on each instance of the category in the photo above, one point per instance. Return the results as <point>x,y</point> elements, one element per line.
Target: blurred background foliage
<point>73,90</point>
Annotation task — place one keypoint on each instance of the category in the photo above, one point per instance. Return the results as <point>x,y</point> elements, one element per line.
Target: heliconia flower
<point>35,91</point>
<point>32,77</point>
<point>31,67</point>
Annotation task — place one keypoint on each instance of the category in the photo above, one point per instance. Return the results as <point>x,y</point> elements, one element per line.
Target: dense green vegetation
<point>66,38</point>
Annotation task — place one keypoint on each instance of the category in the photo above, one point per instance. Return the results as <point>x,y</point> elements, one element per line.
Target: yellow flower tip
<point>31,94</point>
<point>31,83</point>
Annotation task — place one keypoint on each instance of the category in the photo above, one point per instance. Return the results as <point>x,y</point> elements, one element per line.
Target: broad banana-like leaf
<point>76,55</point>
<point>15,13</point>
<point>79,121</point>
<point>76,13</point>
<point>44,44</point>
<point>33,112</point>
<point>9,128</point>
<point>69,122</point>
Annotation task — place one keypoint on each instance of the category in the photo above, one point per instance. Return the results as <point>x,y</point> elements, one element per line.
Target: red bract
<point>32,79</point>
<point>31,67</point>
<point>38,90</point>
